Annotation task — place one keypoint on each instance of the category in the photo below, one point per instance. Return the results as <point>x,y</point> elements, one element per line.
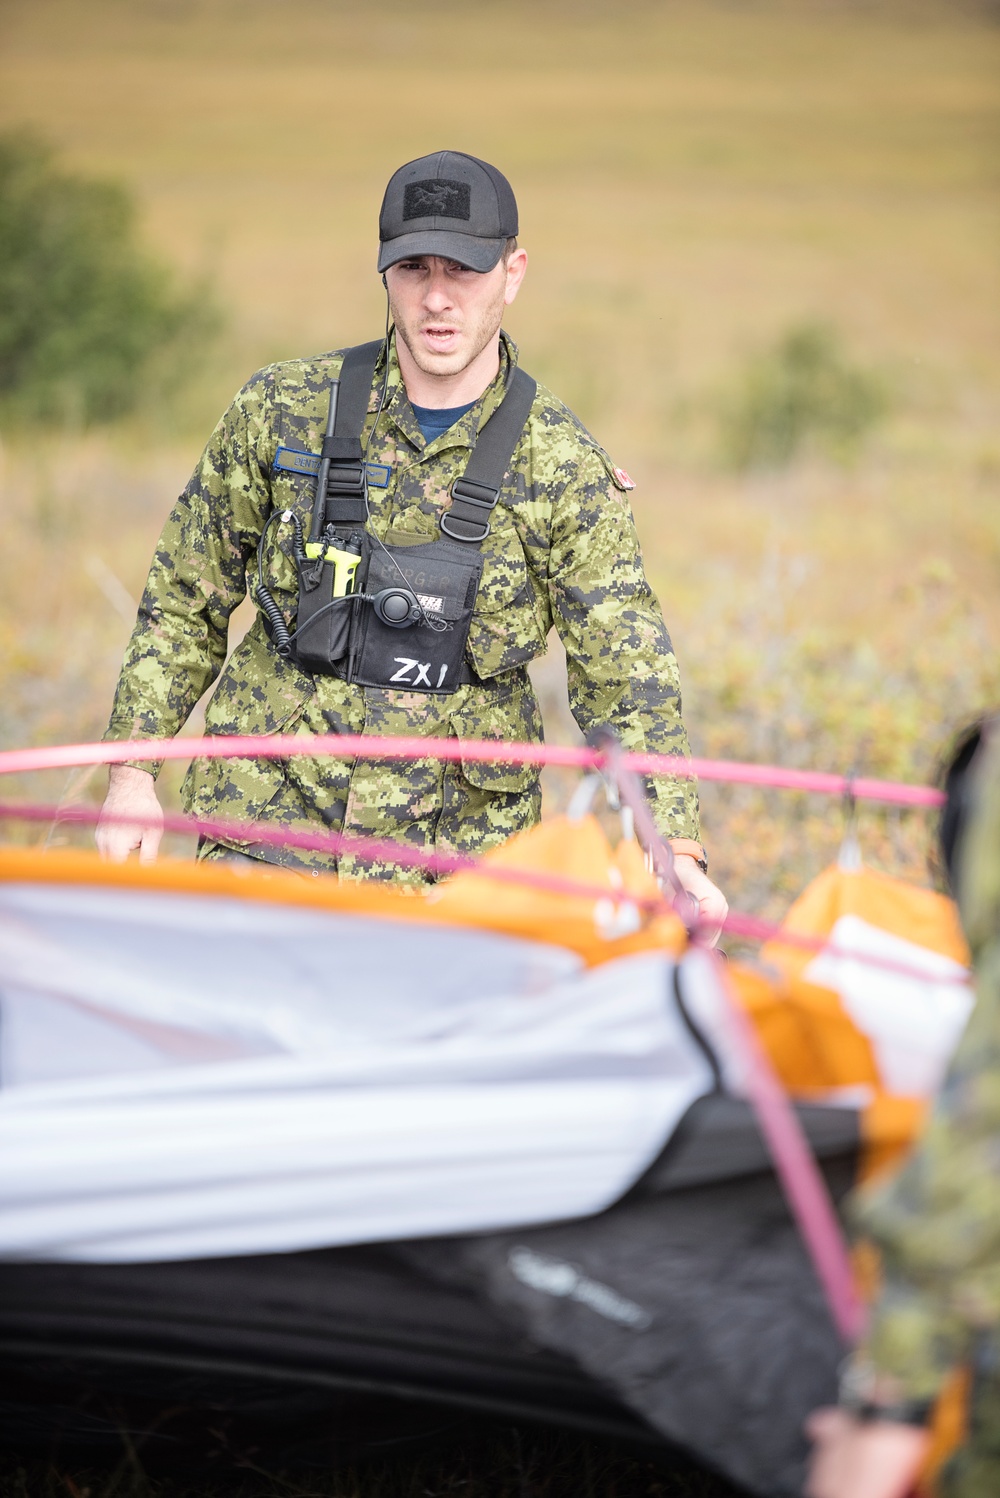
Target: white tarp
<point>185,1078</point>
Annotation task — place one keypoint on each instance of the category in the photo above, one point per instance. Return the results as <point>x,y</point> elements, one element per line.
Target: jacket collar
<point>399,412</point>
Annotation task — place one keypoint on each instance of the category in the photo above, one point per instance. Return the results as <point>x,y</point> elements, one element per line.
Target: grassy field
<point>694,179</point>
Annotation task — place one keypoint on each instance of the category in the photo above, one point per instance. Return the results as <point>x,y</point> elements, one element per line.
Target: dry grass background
<point>693,179</point>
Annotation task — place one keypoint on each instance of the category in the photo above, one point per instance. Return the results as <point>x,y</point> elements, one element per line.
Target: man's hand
<point>131,816</point>
<point>862,1458</point>
<point>713,906</point>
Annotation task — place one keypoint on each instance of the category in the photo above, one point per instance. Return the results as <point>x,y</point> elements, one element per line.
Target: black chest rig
<point>392,616</point>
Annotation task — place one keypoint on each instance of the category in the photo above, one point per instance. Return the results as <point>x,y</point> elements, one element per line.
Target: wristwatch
<point>692,849</point>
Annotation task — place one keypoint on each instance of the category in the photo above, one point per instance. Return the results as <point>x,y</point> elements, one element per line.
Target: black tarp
<point>688,1313</point>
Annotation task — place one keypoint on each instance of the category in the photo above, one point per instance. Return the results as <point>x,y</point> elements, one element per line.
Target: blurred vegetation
<point>90,324</point>
<point>803,394</point>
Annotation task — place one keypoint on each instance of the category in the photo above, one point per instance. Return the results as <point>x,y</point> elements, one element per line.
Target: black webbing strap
<point>474,496</point>
<point>345,488</point>
<point>356,375</point>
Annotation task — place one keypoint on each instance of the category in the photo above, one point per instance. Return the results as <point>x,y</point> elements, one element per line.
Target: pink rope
<point>372,747</point>
<point>801,1180</point>
<point>369,849</point>
<point>380,850</point>
<point>756,930</point>
<point>802,1183</point>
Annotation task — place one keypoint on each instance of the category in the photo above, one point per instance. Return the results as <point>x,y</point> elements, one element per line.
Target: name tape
<point>294,460</point>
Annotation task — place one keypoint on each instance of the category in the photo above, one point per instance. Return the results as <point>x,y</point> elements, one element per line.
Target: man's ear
<point>516,267</point>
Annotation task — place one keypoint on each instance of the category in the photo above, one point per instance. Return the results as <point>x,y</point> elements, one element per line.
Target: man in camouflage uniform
<point>937,1225</point>
<point>562,550</point>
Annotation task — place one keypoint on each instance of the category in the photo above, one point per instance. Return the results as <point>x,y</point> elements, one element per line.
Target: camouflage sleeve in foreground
<point>938,1223</point>
<point>197,577</point>
<point>621,668</point>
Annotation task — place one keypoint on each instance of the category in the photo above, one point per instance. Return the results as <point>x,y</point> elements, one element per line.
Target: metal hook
<point>582,798</point>
<point>627,824</point>
<point>849,857</point>
<point>634,798</point>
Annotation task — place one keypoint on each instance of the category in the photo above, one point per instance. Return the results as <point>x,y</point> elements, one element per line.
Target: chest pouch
<point>413,631</point>
<point>395,616</point>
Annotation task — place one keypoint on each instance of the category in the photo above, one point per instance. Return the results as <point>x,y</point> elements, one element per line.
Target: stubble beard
<point>478,335</point>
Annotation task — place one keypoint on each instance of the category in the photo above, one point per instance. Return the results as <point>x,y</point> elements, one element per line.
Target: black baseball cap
<point>447,204</point>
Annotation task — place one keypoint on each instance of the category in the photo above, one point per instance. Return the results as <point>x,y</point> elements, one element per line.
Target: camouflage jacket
<point>563,550</point>
<point>938,1223</point>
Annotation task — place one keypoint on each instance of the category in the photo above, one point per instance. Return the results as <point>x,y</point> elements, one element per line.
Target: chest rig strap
<point>340,483</point>
<point>396,616</point>
<point>474,496</point>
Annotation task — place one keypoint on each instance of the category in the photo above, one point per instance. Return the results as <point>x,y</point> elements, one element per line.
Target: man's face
<point>447,315</point>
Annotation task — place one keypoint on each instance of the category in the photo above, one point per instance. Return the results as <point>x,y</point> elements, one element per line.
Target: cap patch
<point>437,198</point>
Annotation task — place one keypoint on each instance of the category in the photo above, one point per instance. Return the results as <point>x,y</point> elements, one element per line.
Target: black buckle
<point>346,478</point>
<point>482,497</point>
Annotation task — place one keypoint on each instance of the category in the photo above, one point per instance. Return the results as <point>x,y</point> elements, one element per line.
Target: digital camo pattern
<point>563,551</point>
<point>938,1223</point>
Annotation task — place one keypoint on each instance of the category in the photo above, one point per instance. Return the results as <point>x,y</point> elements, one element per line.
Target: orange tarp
<point>598,925</point>
<point>814,1044</point>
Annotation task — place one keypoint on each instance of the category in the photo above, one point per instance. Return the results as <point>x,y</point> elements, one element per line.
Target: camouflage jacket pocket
<point>507,712</point>
<point>258,693</point>
<point>505,629</point>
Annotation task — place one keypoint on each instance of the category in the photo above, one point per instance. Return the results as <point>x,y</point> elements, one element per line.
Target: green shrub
<point>803,394</point>
<point>90,324</point>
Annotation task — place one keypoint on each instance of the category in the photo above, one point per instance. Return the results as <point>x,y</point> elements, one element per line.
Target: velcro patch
<point>294,460</point>
<point>437,198</point>
<point>618,476</point>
